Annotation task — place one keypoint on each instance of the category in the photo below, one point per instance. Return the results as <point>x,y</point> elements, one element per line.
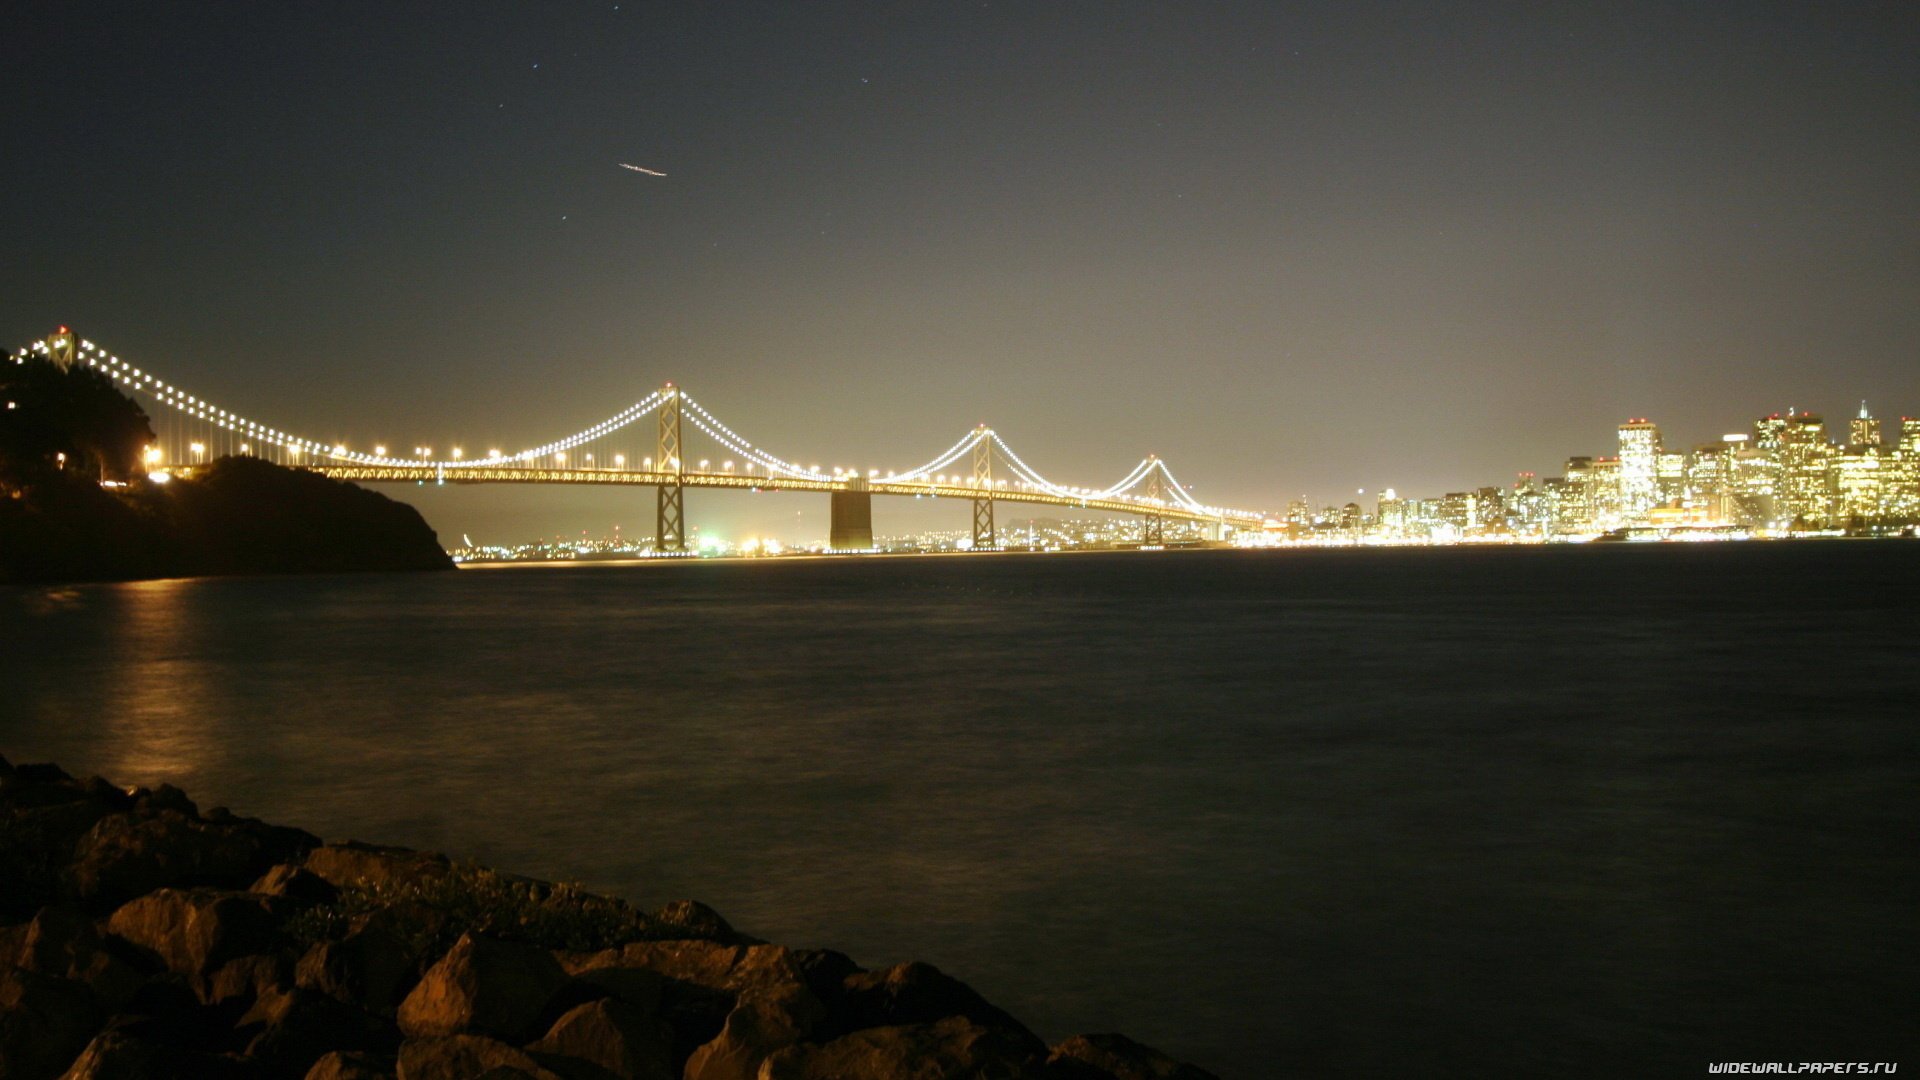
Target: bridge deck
<point>512,474</point>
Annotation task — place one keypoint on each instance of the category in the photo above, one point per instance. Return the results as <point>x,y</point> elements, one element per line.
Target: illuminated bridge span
<point>643,445</point>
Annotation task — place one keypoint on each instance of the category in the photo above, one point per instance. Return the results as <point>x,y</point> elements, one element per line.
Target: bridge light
<point>198,449</point>
<point>379,451</point>
<point>457,453</point>
<point>493,455</point>
<point>560,458</point>
<point>246,448</point>
<point>727,466</point>
<point>620,460</point>
<point>703,464</point>
<point>152,455</point>
<point>649,464</point>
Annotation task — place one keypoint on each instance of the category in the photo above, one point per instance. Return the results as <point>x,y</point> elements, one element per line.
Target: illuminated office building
<point>1639,469</point>
<point>1863,430</point>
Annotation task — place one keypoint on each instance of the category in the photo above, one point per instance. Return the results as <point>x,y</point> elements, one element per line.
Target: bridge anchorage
<point>980,468</point>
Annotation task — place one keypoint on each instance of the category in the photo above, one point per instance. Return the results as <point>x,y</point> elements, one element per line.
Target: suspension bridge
<point>644,445</point>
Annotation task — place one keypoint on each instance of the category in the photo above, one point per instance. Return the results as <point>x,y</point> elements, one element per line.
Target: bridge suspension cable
<point>241,434</point>
<point>739,445</point>
<point>952,454</point>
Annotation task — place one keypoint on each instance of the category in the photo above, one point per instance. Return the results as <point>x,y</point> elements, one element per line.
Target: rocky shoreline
<point>142,938</point>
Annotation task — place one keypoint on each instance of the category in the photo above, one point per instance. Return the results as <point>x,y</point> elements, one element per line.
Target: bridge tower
<point>670,533</point>
<point>1152,527</point>
<point>60,347</point>
<point>983,538</point>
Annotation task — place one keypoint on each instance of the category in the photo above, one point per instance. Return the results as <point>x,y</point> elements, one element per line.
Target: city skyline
<point>1286,248</point>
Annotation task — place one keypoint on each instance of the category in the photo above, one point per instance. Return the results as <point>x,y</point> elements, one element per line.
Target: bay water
<point>1605,810</point>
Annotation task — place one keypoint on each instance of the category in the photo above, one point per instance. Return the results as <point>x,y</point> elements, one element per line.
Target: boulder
<point>372,866</point>
<point>916,993</point>
<point>128,855</point>
<point>62,942</point>
<point>697,919</point>
<point>370,968</point>
<point>638,987</point>
<point>953,1049</point>
<point>699,981</point>
<point>241,982</point>
<point>122,1054</point>
<point>166,797</point>
<point>613,1035</point>
<point>763,1021</point>
<point>350,1065</point>
<point>466,1057</point>
<point>484,986</point>
<point>44,1022</point>
<point>731,968</point>
<point>293,1029</point>
<point>295,883</point>
<point>36,845</point>
<point>1116,1057</point>
<point>193,931</point>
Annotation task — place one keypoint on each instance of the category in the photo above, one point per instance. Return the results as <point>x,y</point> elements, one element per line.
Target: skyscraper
<point>1863,430</point>
<point>1639,467</point>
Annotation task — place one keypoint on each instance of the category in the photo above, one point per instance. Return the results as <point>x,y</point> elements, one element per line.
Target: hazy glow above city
<point>1300,251</point>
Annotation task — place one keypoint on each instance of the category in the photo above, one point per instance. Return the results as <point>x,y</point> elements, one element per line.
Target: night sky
<point>1300,248</point>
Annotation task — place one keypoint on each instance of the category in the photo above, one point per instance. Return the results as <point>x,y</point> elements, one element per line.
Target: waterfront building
<point>1639,468</point>
<point>1861,483</point>
<point>1804,493</point>
<point>1709,482</point>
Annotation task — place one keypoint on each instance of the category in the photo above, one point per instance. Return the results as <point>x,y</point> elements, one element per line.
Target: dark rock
<point>484,986</point>
<point>62,942</point>
<point>700,981</point>
<point>372,866</point>
<point>370,968</point>
<point>127,855</point>
<point>40,772</point>
<point>638,987</point>
<point>763,1021</point>
<point>294,883</point>
<point>826,973</point>
<point>44,1022</point>
<point>697,919</point>
<point>168,797</point>
<point>167,1010</point>
<point>350,1065</point>
<point>915,993</point>
<point>465,1057</point>
<point>193,931</point>
<point>731,968</point>
<point>953,1049</point>
<point>98,790</point>
<point>123,1054</point>
<point>240,982</point>
<point>611,1035</point>
<point>292,1029</point>
<point>37,838</point>
<point>1116,1057</point>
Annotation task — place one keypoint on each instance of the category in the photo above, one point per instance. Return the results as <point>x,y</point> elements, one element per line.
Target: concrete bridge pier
<point>851,528</point>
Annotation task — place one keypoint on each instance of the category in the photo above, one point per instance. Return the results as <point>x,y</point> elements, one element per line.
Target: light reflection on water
<point>1352,811</point>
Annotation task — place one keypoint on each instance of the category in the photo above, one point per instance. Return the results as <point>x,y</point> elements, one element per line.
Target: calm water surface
<point>1600,811</point>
